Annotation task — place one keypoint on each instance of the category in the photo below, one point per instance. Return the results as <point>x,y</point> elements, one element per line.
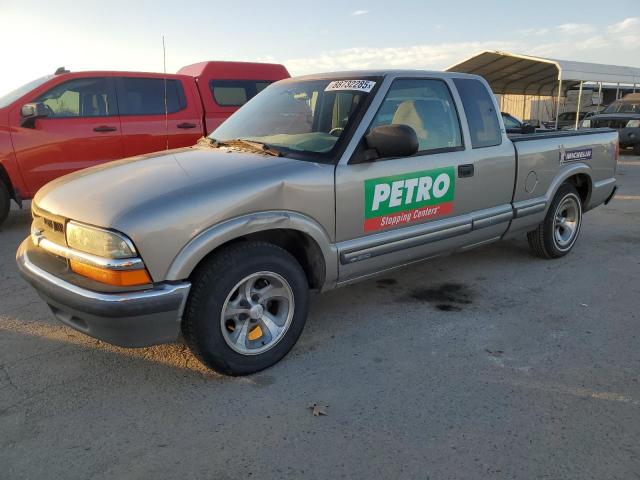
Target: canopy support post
<point>599,98</point>
<point>579,105</point>
<point>524,106</point>
<point>558,100</point>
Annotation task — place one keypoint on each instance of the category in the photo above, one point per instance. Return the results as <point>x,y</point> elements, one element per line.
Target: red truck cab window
<point>235,93</point>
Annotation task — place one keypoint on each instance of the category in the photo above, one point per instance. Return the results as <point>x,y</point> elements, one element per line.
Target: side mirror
<point>392,141</point>
<point>528,128</point>
<point>32,111</point>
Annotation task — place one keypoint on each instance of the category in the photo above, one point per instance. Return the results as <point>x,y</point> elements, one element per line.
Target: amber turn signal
<point>118,278</point>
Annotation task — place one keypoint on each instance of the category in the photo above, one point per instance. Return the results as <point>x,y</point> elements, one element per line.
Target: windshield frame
<point>332,156</point>
<point>17,93</point>
<point>618,104</point>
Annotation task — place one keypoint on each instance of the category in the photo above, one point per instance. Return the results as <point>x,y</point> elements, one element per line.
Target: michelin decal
<point>408,198</point>
<point>567,156</point>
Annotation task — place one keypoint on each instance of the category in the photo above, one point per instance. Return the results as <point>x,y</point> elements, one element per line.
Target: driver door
<point>82,129</point>
<point>392,211</point>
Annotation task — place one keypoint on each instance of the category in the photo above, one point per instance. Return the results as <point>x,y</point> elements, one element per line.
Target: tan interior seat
<point>429,120</point>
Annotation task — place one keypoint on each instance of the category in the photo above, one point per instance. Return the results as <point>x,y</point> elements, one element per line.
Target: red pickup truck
<point>67,121</point>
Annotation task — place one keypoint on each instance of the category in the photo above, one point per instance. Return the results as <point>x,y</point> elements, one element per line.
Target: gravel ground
<point>487,364</point>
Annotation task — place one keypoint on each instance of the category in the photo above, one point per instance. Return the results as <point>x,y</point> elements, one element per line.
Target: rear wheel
<point>557,234</point>
<point>247,308</point>
<point>5,202</point>
<point>636,149</point>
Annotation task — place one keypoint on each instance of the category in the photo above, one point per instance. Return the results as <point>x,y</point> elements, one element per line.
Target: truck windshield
<point>623,107</point>
<point>308,117</point>
<point>18,92</point>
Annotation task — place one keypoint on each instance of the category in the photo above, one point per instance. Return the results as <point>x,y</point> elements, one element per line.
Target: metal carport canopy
<point>511,73</point>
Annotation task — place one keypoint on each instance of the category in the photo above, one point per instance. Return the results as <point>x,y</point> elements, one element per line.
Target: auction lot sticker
<point>408,198</point>
<point>350,85</point>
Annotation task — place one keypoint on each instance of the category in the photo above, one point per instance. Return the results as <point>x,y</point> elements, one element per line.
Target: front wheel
<point>246,309</point>
<point>557,234</point>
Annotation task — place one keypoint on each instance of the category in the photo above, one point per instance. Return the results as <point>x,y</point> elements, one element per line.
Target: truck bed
<point>546,158</point>
<point>523,137</point>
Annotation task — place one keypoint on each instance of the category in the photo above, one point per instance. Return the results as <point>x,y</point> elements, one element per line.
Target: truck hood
<point>107,194</point>
<point>164,201</point>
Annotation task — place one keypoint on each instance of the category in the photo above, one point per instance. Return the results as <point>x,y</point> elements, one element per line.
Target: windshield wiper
<point>240,143</point>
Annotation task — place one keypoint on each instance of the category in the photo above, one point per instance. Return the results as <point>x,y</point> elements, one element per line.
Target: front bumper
<point>128,319</point>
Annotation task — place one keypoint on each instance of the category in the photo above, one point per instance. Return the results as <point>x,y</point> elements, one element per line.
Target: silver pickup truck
<point>318,182</point>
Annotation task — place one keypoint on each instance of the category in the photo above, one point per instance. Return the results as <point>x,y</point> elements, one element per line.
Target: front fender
<point>217,235</point>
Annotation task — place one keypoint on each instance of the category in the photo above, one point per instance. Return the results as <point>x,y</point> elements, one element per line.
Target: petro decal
<point>408,198</point>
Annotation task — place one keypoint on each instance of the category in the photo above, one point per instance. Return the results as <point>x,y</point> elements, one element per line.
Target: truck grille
<point>50,226</point>
<point>53,225</point>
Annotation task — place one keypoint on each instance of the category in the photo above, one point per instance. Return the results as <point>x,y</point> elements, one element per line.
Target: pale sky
<point>39,36</point>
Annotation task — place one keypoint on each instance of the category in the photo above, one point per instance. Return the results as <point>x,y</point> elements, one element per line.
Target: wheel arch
<point>4,178</point>
<point>300,235</point>
<point>578,175</point>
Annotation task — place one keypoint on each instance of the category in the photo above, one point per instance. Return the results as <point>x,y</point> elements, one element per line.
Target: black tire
<point>5,202</point>
<point>636,149</point>
<point>213,284</point>
<point>545,241</point>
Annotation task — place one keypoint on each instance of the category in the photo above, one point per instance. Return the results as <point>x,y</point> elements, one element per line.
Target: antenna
<point>166,108</point>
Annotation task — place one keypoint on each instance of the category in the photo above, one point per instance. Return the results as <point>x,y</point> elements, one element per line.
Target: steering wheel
<point>50,112</point>
<point>335,132</point>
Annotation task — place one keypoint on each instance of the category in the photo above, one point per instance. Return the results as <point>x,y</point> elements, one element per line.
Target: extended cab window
<point>235,93</point>
<point>82,97</point>
<point>480,111</point>
<point>427,107</point>
<point>146,96</point>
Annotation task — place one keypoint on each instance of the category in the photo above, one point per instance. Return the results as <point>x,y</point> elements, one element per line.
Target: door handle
<point>187,125</point>
<point>104,128</point>
<point>465,171</point>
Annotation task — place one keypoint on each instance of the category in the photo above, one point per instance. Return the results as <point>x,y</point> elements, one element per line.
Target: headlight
<point>586,124</point>
<point>633,124</point>
<point>97,241</point>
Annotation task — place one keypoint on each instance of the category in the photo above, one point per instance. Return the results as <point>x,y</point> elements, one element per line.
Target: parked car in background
<point>67,121</point>
<point>624,116</point>
<point>311,185</point>
<point>514,125</point>
<point>565,120</point>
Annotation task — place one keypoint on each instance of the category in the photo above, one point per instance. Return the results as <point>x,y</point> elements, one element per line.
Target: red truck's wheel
<point>557,234</point>
<point>246,309</point>
<point>5,202</point>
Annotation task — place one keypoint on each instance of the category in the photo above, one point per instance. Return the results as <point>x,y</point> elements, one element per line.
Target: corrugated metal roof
<point>511,73</point>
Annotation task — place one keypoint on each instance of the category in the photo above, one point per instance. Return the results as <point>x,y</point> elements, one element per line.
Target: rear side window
<point>235,93</point>
<point>82,97</point>
<point>146,96</point>
<point>481,113</point>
